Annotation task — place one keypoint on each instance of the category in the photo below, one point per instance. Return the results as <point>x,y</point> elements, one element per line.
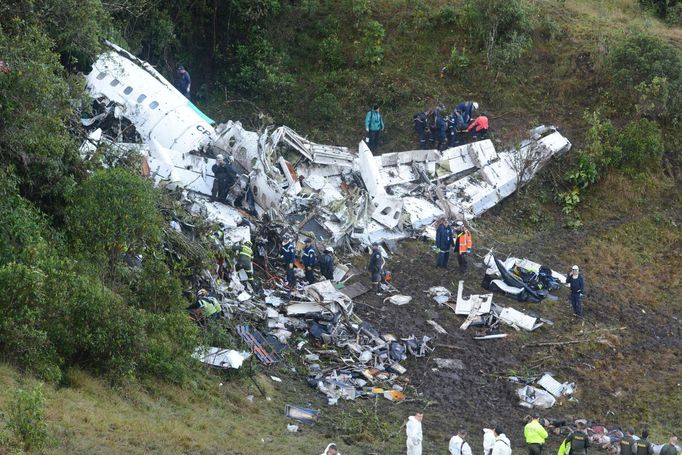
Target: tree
<point>113,212</point>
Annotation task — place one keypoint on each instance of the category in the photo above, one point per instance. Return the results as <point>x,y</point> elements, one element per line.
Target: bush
<point>26,418</point>
<point>331,53</point>
<point>641,147</point>
<point>498,23</point>
<point>370,47</point>
<point>113,212</point>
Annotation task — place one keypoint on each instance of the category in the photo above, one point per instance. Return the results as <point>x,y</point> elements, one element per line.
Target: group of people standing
<point>575,442</point>
<point>310,260</point>
<point>436,129</point>
<point>458,240</point>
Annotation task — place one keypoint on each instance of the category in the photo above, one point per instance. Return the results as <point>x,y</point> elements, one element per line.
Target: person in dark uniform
<point>444,241</point>
<point>327,263</point>
<point>309,258</point>
<point>224,177</point>
<point>579,440</point>
<point>642,446</point>
<point>627,443</point>
<point>376,267</point>
<point>289,256</point>
<point>420,127</point>
<point>441,130</point>
<point>184,82</point>
<point>577,283</point>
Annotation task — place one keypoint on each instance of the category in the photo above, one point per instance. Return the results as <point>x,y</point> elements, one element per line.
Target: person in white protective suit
<point>502,444</point>
<point>488,440</point>
<point>414,434</point>
<point>331,450</point>
<point>458,444</point>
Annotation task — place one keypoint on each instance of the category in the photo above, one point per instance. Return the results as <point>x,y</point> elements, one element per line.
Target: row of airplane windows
<point>128,90</point>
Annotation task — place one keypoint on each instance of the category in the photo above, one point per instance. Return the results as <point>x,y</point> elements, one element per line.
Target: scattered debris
<point>221,358</point>
<point>449,364</point>
<point>292,428</point>
<point>304,415</point>
<point>399,299</point>
<point>437,326</point>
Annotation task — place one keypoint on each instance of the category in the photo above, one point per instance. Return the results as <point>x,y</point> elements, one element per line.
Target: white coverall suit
<point>414,436</point>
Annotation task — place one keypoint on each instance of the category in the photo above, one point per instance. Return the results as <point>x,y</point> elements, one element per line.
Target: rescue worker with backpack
<point>642,446</point>
<point>206,307</point>
<point>327,263</point>
<point>374,125</point>
<point>627,444</point>
<point>575,443</point>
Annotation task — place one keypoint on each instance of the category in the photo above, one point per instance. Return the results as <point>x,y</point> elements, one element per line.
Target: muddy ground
<point>625,357</point>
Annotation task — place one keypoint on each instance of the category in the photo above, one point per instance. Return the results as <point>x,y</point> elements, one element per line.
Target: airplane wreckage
<point>340,196</point>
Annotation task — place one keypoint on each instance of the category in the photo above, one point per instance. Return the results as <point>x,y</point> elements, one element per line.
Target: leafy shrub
<point>641,148</point>
<point>325,107</point>
<point>331,52</point>
<point>26,417</point>
<point>458,60</point>
<point>114,211</point>
<point>261,68</point>
<point>498,23</point>
<point>370,46</point>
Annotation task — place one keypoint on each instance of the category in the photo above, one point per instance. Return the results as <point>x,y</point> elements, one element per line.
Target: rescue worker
<point>642,446</point>
<point>414,434</point>
<point>184,82</point>
<point>224,177</point>
<point>463,245</point>
<point>376,267</point>
<point>479,128</point>
<point>455,126</point>
<point>535,435</point>
<point>577,283</point>
<point>671,447</point>
<point>628,442</point>
<point>289,256</point>
<point>444,242</point>
<point>245,259</point>
<point>374,125</point>
<point>421,127</point>
<point>579,440</point>
<point>205,307</point>
<point>327,263</point>
<point>502,444</point>
<point>467,108</point>
<point>331,450</point>
<point>309,258</point>
<point>488,440</point>
<point>458,444</point>
<point>441,130</point>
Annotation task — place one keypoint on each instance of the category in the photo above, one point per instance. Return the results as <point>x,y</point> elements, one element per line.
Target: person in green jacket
<point>535,435</point>
<point>642,446</point>
<point>627,444</point>
<point>579,440</point>
<point>374,125</point>
<point>670,448</point>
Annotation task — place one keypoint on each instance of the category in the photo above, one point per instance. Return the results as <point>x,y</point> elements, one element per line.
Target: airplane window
<point>101,76</point>
<point>128,90</point>
<point>153,105</point>
<point>115,82</point>
<point>141,98</point>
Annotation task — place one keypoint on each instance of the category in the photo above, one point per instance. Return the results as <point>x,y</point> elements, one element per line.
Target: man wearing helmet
<point>224,177</point>
<point>577,283</point>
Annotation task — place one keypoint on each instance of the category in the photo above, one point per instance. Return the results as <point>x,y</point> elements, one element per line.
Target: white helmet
<point>220,157</point>
<point>330,249</point>
<point>475,105</point>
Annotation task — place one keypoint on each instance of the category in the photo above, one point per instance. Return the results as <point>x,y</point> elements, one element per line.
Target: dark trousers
<point>462,259</point>
<point>577,304</point>
<point>373,140</point>
<point>441,143</point>
<point>442,259</point>
<point>291,277</point>
<point>422,140</point>
<point>480,134</point>
<point>309,275</point>
<point>534,449</point>
<point>219,189</point>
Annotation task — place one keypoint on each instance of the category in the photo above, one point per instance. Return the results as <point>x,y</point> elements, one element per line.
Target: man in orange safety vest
<point>463,245</point>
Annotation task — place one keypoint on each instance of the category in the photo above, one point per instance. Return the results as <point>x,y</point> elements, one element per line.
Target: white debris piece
<point>516,318</point>
<point>464,306</point>
<point>554,387</point>
<point>532,397</point>
<point>221,358</point>
<point>399,299</point>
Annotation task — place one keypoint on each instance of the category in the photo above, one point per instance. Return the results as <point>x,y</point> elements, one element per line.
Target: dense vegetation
<point>68,298</point>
